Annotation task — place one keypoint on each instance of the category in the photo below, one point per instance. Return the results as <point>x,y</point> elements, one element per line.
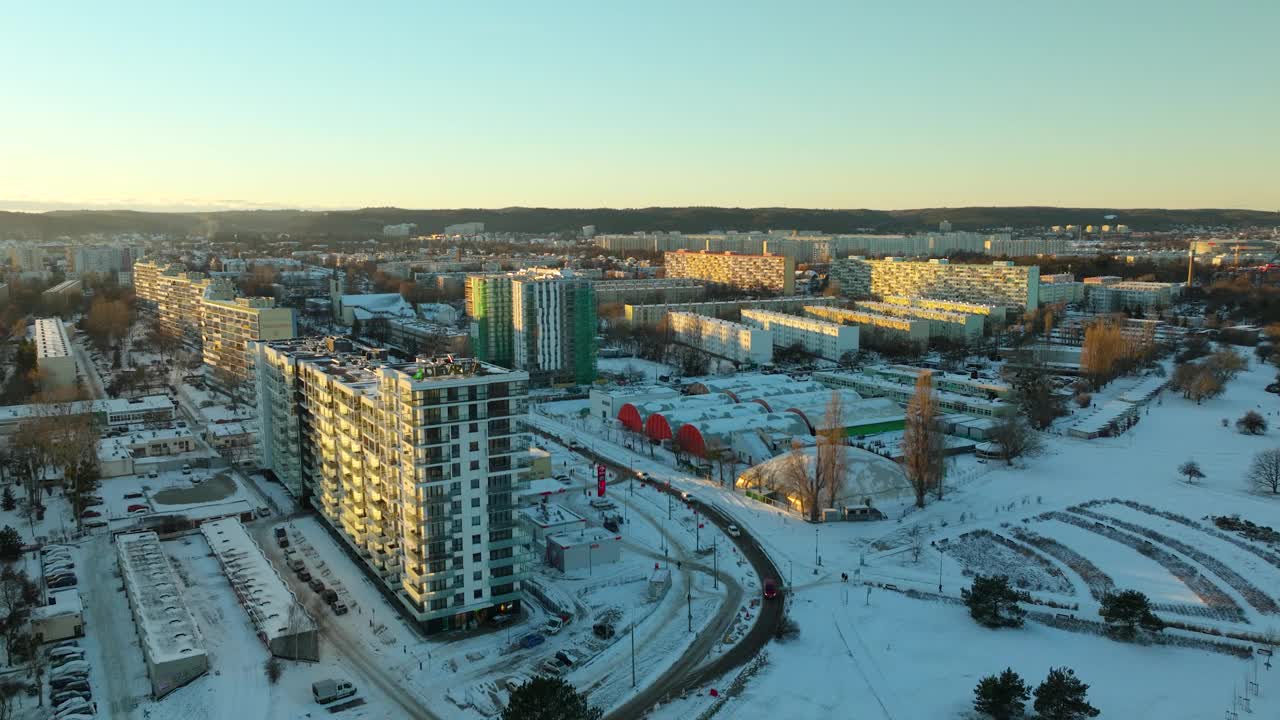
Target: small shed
<point>548,518</point>
<point>659,582</point>
<point>583,549</point>
<point>62,618</point>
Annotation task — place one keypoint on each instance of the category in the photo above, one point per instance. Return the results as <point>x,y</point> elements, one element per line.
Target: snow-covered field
<point>874,659</point>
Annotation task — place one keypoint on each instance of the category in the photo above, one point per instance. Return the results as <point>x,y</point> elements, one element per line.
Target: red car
<point>136,508</point>
<point>770,589</point>
<point>90,514</point>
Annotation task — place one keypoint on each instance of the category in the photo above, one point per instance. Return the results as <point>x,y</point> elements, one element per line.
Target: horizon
<point>828,105</point>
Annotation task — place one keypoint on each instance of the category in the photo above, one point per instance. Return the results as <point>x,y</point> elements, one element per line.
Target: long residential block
<point>736,342</point>
<point>1000,283</point>
<point>818,337</point>
<point>875,325</point>
<point>748,272</point>
<point>962,327</point>
<point>654,315</point>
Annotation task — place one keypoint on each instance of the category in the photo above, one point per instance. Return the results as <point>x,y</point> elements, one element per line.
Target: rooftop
<point>271,605</point>
<point>164,622</point>
<point>51,339</point>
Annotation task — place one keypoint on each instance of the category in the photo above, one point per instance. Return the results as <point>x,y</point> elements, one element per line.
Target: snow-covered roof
<point>271,605</point>
<point>111,408</point>
<point>550,515</point>
<point>1144,389</point>
<point>1103,416</point>
<point>379,304</point>
<point>61,603</point>
<point>574,538</point>
<point>164,621</point>
<point>867,475</point>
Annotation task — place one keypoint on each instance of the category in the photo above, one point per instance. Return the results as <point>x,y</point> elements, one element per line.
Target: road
<point>348,646</point>
<point>89,371</point>
<point>685,674</point>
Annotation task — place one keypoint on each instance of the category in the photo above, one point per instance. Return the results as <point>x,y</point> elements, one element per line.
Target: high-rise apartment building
<point>26,257</point>
<point>413,465</point>
<point>174,296</point>
<point>228,326</point>
<point>488,302</point>
<point>748,272</point>
<point>99,259</point>
<point>538,322</point>
<point>553,324</point>
<point>1000,283</point>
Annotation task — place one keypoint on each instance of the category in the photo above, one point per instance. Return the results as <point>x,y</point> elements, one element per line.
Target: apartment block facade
<point>961,327</point>
<point>412,465</point>
<point>818,337</point>
<point>488,302</point>
<point>539,322</point>
<point>775,273</point>
<point>228,326</point>
<point>1114,295</point>
<point>730,340</point>
<point>1000,283</point>
<point>1060,288</point>
<point>648,290</point>
<point>874,326</point>
<point>654,315</point>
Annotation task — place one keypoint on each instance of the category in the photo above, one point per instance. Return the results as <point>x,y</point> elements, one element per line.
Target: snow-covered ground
<point>874,659</point>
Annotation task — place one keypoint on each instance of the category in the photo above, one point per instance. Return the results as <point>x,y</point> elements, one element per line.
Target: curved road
<point>685,674</point>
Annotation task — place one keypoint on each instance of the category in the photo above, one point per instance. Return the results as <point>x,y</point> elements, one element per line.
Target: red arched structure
<point>731,394</point>
<point>656,428</point>
<point>763,404</point>
<point>690,440</point>
<point>803,417</point>
<point>629,416</point>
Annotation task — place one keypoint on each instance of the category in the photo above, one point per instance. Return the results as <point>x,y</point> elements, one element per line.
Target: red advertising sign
<point>600,480</point>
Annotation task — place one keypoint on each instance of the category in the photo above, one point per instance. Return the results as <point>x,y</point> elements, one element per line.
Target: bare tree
<point>922,442</point>
<point>1016,438</point>
<point>1264,473</point>
<point>800,483</point>
<point>915,539</point>
<point>1191,470</point>
<point>832,458</point>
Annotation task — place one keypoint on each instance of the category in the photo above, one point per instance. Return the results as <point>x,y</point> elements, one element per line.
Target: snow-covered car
<point>733,531</point>
<point>554,625</point>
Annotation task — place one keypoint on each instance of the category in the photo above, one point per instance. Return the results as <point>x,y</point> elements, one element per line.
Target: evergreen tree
<point>7,501</point>
<point>10,544</point>
<point>1062,697</point>
<point>993,603</point>
<point>1001,696</point>
<point>1127,610</point>
<point>549,698</point>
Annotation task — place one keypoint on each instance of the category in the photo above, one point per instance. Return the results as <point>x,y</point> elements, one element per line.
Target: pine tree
<point>7,501</point>
<point>993,603</point>
<point>549,698</point>
<point>1126,611</point>
<point>10,544</point>
<point>1062,697</point>
<point>1002,696</point>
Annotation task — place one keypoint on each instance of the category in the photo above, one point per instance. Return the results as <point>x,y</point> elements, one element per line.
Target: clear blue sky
<point>847,104</point>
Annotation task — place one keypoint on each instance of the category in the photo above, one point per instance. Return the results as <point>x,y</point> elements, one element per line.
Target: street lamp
<point>939,570</point>
<point>817,559</point>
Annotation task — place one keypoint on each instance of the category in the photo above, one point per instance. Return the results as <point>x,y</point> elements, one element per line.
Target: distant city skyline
<point>564,104</point>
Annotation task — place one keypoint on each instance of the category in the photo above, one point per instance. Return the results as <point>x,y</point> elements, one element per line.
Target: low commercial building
<point>875,326</point>
<point>548,518</point>
<point>62,618</point>
<point>282,623</point>
<point>118,455</point>
<point>901,393</point>
<point>67,288</point>
<point>111,413</point>
<point>583,549</point>
<point>54,358</point>
<point>817,337</point>
<point>739,343</point>
<point>171,643</point>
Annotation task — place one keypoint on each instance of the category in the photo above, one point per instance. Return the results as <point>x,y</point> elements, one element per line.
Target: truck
<point>327,691</point>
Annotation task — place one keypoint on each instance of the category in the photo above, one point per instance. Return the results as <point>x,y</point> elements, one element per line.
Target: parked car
<point>296,564</point>
<point>136,507</point>
<point>282,541</point>
<point>304,575</point>
<point>644,476</point>
<point>63,695</point>
<point>133,496</point>
<point>64,567</point>
<point>281,532</point>
<point>73,667</point>
<point>604,631</point>
<point>554,625</point>
<point>770,588</point>
<point>329,595</point>
<point>186,469</point>
<point>501,619</point>
<point>733,531</point>
<point>57,662</point>
<point>72,706</point>
<point>153,474</point>
<point>55,548</point>
<point>549,667</point>
<point>78,684</point>
<point>531,640</point>
<point>327,691</point>
<point>197,479</point>
<point>94,524</point>
<point>263,511</point>
<point>60,582</point>
<point>65,644</point>
<point>90,514</point>
<point>317,585</point>
<point>339,608</point>
<point>611,524</point>
<point>66,651</point>
<point>565,658</point>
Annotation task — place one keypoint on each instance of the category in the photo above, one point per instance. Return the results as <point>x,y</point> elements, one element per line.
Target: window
<point>477,576</point>
<point>479,593</point>
<point>475,557</point>
<point>475,427</point>
<point>475,539</point>
<point>453,432</point>
<point>475,502</point>
<point>475,521</point>
<point>475,446</point>
<point>475,464</point>
<point>475,483</point>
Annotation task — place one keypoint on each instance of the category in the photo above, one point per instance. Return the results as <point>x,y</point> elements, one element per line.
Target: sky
<point>845,104</point>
